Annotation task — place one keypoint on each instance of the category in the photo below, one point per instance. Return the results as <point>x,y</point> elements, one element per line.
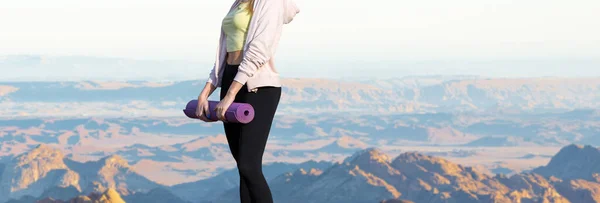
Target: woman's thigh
<point>264,102</point>
<point>254,135</point>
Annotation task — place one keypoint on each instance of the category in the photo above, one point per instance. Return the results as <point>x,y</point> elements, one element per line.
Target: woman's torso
<point>260,71</point>
<point>235,25</point>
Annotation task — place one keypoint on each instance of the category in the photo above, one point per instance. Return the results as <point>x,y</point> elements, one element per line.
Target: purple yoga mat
<point>236,113</point>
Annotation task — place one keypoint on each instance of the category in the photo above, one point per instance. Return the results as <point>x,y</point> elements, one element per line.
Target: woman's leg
<point>253,140</point>
<point>233,134</point>
<point>233,130</point>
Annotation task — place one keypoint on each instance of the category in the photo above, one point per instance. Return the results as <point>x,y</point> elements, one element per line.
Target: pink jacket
<point>257,68</point>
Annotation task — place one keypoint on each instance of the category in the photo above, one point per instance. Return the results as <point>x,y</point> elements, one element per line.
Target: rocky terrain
<point>183,149</point>
<point>45,172</point>
<point>109,196</point>
<point>368,175</point>
<point>420,139</point>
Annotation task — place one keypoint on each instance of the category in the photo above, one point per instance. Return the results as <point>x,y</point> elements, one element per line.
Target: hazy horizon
<point>335,39</point>
<point>77,68</point>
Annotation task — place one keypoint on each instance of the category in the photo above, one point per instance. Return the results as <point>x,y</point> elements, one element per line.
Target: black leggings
<point>247,141</point>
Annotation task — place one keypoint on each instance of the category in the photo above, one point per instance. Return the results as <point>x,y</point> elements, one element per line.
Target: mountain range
<point>45,171</point>
<point>169,150</point>
<point>421,139</point>
<point>368,175</point>
<point>427,94</point>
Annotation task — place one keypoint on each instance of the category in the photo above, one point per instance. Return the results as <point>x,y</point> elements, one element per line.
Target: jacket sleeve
<point>269,21</point>
<point>212,77</point>
<point>291,9</point>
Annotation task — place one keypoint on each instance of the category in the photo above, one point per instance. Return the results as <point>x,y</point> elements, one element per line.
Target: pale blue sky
<point>325,30</point>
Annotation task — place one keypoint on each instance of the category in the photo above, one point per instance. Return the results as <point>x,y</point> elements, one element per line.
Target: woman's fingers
<point>202,111</point>
<point>198,110</point>
<point>220,113</point>
<point>200,114</point>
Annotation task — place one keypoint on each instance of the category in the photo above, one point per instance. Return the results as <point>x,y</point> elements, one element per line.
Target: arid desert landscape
<point>419,139</point>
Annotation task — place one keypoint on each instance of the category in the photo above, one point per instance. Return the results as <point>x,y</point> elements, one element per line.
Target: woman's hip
<point>262,94</point>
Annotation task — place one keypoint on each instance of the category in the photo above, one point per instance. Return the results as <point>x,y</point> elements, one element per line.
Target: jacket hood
<point>290,11</point>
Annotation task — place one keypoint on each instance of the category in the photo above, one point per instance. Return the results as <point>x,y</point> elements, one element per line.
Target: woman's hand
<point>222,107</point>
<point>202,109</point>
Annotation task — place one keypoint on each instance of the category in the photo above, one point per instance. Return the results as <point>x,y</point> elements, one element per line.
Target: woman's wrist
<point>202,96</point>
<point>229,95</point>
<point>233,89</point>
<point>208,89</point>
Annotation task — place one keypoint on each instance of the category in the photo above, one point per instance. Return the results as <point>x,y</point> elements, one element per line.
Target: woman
<point>245,72</point>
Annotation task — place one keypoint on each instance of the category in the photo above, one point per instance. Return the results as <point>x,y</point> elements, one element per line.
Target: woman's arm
<point>234,89</point>
<point>269,21</point>
<point>211,84</point>
<point>209,88</point>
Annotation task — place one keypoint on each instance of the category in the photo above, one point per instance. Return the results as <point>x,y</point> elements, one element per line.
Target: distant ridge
<point>573,162</point>
<point>395,95</point>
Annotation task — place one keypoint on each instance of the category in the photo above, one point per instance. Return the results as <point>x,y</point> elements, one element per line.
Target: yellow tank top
<point>235,26</point>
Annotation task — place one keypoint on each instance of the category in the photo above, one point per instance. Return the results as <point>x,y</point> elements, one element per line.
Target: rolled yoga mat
<point>236,113</point>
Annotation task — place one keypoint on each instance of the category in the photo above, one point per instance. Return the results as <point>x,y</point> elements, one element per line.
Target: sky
<point>331,34</point>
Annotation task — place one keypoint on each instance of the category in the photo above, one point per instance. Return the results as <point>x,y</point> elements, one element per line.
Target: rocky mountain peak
<point>413,161</point>
<point>33,172</point>
<point>413,157</point>
<point>114,161</point>
<point>41,153</point>
<point>573,149</point>
<point>368,156</point>
<point>111,195</point>
<point>573,162</point>
<point>311,172</point>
